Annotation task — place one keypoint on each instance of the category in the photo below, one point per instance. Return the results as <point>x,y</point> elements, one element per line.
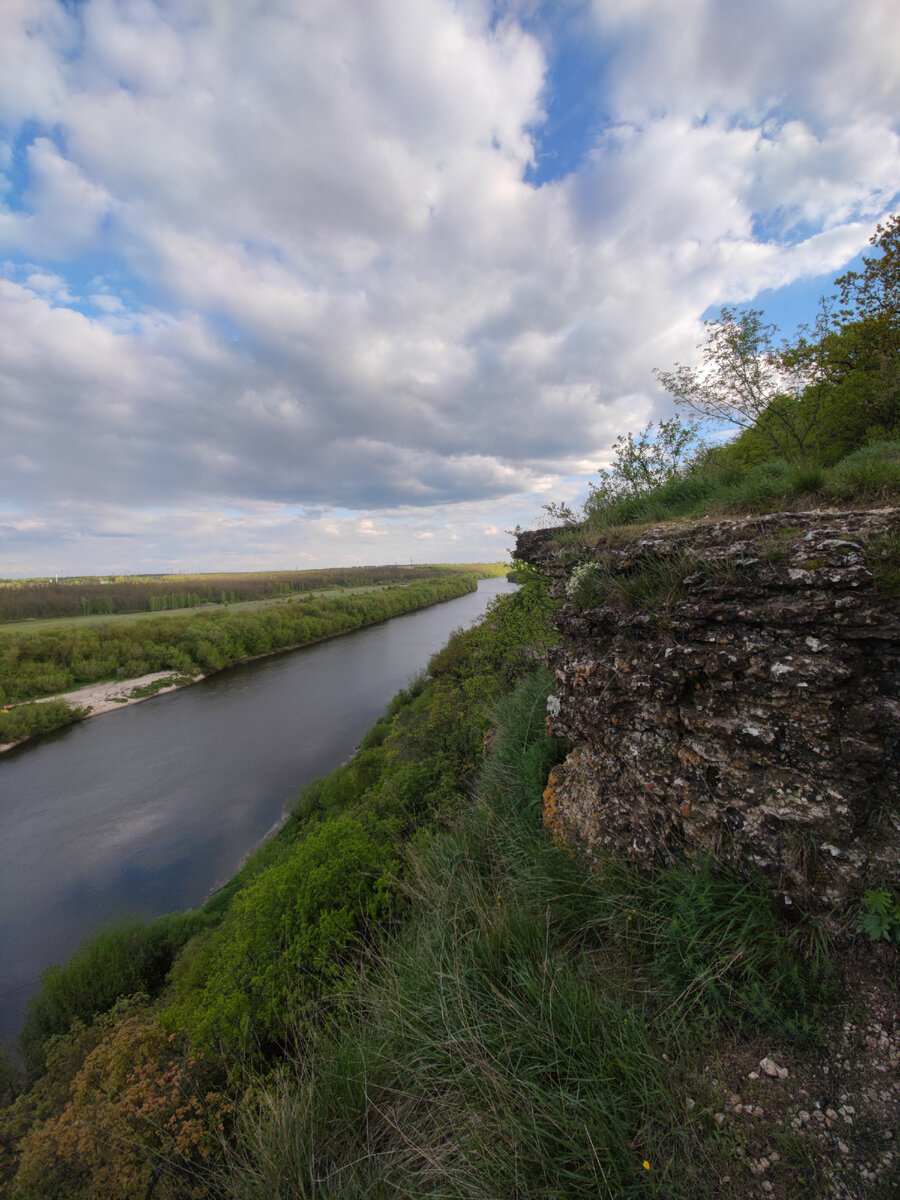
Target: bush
<point>138,1121</point>
<point>293,932</point>
<point>115,963</point>
<point>27,720</point>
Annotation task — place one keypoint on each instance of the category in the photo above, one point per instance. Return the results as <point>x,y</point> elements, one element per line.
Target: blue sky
<point>325,282</point>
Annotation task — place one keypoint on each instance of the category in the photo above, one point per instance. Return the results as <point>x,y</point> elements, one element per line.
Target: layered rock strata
<point>732,686</point>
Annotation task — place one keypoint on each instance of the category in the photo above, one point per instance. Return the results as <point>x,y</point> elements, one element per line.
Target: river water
<point>146,810</point>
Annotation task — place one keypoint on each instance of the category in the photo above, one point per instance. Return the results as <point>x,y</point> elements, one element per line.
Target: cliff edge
<point>731,685</point>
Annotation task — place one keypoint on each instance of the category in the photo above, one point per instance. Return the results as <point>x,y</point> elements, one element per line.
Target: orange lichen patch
<point>550,809</point>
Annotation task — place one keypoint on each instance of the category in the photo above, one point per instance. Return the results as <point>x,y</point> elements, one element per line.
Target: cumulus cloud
<point>292,258</point>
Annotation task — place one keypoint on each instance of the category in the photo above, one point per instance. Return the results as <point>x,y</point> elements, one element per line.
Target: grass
<point>533,1033</point>
<point>870,475</point>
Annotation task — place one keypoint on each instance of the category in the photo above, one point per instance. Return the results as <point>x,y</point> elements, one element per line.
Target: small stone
<point>735,1099</point>
<point>753,1075</point>
<point>768,1186</point>
<point>770,1067</point>
<point>843,1147</point>
<point>803,1115</point>
<point>830,1114</point>
<point>719,1118</point>
<point>691,1103</point>
<point>820,1116</point>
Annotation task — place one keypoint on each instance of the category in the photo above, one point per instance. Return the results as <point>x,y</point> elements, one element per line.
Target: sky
<point>315,282</point>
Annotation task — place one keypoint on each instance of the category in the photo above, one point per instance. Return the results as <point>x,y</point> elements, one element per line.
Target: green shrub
<point>28,720</point>
<point>295,931</point>
<point>881,919</point>
<point>870,474</point>
<point>115,963</point>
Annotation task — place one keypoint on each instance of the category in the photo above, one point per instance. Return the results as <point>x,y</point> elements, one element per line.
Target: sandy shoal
<point>107,697</point>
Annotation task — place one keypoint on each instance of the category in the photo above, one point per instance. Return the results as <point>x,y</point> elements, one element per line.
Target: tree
<point>874,292</point>
<point>744,380</point>
<point>645,461</point>
<point>864,355</point>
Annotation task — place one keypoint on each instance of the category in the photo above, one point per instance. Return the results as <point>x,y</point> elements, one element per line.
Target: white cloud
<point>318,276</point>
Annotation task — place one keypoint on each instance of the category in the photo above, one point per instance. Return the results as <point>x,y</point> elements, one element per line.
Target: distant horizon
<point>53,578</point>
<point>281,285</point>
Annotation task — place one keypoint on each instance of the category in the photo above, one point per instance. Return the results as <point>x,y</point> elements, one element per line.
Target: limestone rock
<point>754,711</point>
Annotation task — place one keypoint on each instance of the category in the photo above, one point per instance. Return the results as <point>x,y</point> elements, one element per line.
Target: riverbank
<point>182,650</point>
<point>98,698</point>
<point>149,812</point>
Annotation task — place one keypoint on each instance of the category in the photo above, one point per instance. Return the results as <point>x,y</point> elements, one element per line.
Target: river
<point>146,810</point>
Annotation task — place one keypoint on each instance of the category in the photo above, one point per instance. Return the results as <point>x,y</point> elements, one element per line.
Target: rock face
<point>732,686</point>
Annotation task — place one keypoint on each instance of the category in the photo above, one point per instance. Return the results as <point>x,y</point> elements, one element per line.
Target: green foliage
<point>723,948</point>
<point>643,463</point>
<point>511,1041</point>
<point>43,599</point>
<point>869,475</point>
<point>881,919</point>
<point>653,586</point>
<point>117,962</point>
<point>295,932</point>
<point>833,389</point>
<point>744,381</point>
<point>157,685</point>
<point>30,720</point>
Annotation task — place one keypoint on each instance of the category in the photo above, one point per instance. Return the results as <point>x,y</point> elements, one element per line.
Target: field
<point>106,595</point>
<point>35,625</point>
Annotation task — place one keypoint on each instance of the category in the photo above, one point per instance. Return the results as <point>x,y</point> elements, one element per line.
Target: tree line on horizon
<point>42,599</point>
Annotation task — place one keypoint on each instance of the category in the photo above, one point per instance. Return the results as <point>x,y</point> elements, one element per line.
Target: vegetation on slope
<point>412,991</point>
<point>818,418</point>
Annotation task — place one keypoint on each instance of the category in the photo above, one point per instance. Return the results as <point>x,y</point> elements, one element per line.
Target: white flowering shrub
<point>584,587</point>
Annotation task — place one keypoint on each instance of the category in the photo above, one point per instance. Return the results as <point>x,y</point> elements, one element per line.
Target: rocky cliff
<point>731,685</point>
